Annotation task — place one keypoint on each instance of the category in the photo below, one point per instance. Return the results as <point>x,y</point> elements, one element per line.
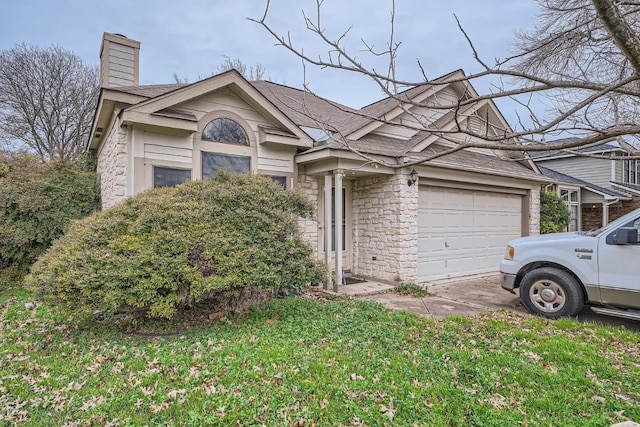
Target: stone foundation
<point>112,167</point>
<point>534,212</point>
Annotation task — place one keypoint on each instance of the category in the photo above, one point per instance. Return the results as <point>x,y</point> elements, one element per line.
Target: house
<point>597,190</point>
<point>449,217</point>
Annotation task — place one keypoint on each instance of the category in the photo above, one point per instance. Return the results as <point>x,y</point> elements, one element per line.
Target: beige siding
<point>587,197</point>
<point>121,65</point>
<point>272,158</point>
<point>154,148</point>
<point>225,99</point>
<point>166,147</point>
<point>395,131</point>
<point>447,96</point>
<point>419,118</point>
<point>595,171</point>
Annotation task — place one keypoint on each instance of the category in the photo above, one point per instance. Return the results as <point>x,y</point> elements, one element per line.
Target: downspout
<point>605,211</point>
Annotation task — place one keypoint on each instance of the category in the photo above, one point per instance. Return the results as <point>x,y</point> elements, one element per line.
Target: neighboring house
<point>597,190</point>
<point>451,217</point>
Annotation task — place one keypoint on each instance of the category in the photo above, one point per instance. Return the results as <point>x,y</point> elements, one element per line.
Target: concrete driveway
<point>461,297</point>
<point>474,295</point>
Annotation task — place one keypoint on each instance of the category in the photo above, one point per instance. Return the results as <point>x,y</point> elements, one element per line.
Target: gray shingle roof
<point>305,108</point>
<point>148,91</point>
<point>542,155</point>
<point>627,186</point>
<point>473,160</point>
<point>465,159</point>
<point>561,177</point>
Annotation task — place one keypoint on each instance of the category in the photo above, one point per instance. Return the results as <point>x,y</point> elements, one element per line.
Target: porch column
<point>328,183</point>
<point>338,229</point>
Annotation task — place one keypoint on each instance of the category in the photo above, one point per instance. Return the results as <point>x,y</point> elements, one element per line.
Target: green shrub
<point>412,289</point>
<point>168,249</point>
<point>554,213</point>
<point>37,203</point>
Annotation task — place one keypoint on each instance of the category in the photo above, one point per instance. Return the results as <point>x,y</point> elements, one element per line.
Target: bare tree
<point>47,100</point>
<point>584,56</point>
<point>249,72</point>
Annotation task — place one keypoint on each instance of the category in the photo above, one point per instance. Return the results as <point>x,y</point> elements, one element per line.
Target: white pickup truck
<point>557,274</point>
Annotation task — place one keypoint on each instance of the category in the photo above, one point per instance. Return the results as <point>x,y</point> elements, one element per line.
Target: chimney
<point>119,61</point>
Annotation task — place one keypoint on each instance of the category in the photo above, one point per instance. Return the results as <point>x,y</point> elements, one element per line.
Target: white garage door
<point>462,232</point>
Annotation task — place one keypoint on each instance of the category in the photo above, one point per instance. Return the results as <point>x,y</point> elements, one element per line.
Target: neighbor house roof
<point>568,179</point>
<point>552,154</point>
<point>635,189</point>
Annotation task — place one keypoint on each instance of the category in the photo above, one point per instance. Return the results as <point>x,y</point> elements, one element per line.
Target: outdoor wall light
<point>413,177</point>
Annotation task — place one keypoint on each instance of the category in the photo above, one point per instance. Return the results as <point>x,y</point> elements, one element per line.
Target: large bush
<point>554,213</point>
<point>37,203</point>
<point>169,248</point>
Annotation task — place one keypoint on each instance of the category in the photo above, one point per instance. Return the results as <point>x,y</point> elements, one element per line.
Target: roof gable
<point>172,95</point>
<point>377,114</point>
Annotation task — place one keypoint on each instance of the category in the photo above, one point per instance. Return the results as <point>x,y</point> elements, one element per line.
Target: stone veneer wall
<point>112,167</point>
<point>309,227</point>
<point>385,226</point>
<point>534,212</point>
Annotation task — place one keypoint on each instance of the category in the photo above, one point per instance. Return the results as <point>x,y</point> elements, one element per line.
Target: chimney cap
<point>118,39</point>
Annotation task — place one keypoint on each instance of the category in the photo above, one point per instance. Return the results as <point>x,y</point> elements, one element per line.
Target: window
<point>225,130</point>
<point>170,177</point>
<point>572,200</point>
<point>282,180</point>
<point>214,162</point>
<point>631,172</point>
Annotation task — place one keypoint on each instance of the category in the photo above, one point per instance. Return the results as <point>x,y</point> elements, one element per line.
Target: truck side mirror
<point>626,236</point>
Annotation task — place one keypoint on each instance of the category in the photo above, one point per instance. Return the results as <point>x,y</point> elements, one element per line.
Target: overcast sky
<point>190,38</point>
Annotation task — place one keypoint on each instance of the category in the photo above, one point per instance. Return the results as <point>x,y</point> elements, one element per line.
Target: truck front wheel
<point>551,293</point>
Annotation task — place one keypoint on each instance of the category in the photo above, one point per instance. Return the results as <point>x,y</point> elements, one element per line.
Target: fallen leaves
<point>93,402</point>
<point>389,411</point>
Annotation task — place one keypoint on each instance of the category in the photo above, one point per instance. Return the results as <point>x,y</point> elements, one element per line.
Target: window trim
<point>217,153</point>
<point>153,174</point>
<point>203,145</point>
<point>144,181</point>
<point>244,131</point>
<point>628,171</point>
<point>569,203</point>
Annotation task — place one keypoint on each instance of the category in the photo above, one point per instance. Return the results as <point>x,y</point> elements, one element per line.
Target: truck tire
<point>552,293</point>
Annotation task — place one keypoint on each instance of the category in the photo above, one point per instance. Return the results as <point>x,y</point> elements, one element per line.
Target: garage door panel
<point>464,232</point>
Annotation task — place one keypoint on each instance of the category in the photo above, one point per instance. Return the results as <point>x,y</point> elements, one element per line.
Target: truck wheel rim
<point>547,296</point>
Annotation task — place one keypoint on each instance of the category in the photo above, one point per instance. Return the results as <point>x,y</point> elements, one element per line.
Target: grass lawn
<point>303,362</point>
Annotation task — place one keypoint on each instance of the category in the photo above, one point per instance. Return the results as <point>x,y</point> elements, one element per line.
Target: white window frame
<point>575,204</point>
<point>631,172</point>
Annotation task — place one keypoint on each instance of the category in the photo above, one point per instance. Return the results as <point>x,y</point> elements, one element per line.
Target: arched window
<point>225,130</point>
